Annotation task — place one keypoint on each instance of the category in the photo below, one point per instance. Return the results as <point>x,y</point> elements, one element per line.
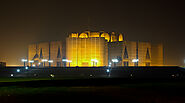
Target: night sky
<point>31,21</point>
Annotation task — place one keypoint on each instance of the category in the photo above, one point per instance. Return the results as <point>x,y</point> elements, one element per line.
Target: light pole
<point>50,61</point>
<point>64,60</point>
<point>69,61</point>
<point>94,62</point>
<point>115,61</point>
<point>31,62</point>
<point>44,61</point>
<point>24,61</point>
<point>110,64</point>
<point>135,61</point>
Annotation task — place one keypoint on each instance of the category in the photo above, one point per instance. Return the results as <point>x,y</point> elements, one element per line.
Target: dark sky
<point>30,21</point>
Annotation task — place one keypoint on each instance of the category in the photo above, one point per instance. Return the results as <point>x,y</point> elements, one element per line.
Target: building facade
<point>88,49</point>
<point>135,53</point>
<point>45,54</point>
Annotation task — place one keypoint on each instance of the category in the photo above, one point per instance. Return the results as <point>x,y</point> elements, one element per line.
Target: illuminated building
<point>88,49</point>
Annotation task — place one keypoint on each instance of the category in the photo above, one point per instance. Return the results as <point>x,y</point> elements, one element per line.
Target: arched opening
<point>120,37</point>
<point>83,35</point>
<point>106,36</point>
<point>113,37</point>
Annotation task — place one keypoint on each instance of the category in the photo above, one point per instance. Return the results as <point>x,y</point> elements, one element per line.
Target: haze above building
<point>24,22</point>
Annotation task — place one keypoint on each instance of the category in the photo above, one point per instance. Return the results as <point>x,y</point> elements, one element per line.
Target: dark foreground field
<point>29,90</point>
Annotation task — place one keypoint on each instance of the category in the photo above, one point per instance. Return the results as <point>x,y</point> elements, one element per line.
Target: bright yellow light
<point>83,35</point>
<point>106,36</point>
<point>74,35</point>
<point>81,51</point>
<point>52,75</point>
<point>113,37</point>
<point>120,37</point>
<point>94,34</point>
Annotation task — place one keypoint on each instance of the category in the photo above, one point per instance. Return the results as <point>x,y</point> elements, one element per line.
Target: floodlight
<point>31,61</point>
<point>44,60</point>
<point>24,60</point>
<point>135,60</point>
<point>115,60</point>
<point>50,61</point>
<point>18,70</point>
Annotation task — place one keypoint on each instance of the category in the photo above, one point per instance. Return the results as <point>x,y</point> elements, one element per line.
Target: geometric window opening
<point>58,54</point>
<point>36,55</point>
<point>41,56</point>
<point>125,53</point>
<point>147,54</point>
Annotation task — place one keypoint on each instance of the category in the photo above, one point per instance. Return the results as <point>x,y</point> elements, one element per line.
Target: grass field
<point>21,90</point>
<point>22,79</point>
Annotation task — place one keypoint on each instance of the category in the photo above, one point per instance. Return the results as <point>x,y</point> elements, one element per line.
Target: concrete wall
<point>136,50</point>
<point>49,51</point>
<point>157,55</point>
<point>81,51</point>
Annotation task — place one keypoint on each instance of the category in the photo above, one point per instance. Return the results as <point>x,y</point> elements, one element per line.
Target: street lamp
<point>31,62</point>
<point>34,65</point>
<point>110,64</point>
<point>24,61</point>
<point>135,61</point>
<point>50,61</point>
<point>18,70</point>
<point>66,60</point>
<point>94,62</point>
<point>69,61</point>
<point>115,61</point>
<point>44,61</point>
<point>26,68</point>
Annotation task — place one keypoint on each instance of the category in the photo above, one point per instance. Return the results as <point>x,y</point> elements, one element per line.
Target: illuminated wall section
<point>113,37</point>
<point>84,50</point>
<point>148,54</point>
<point>137,50</point>
<point>45,50</point>
<point>127,51</point>
<point>39,49</point>
<point>120,37</point>
<point>157,55</point>
<point>143,48</point>
<point>94,34</point>
<point>32,51</point>
<point>56,53</point>
<point>106,36</point>
<point>131,50</point>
